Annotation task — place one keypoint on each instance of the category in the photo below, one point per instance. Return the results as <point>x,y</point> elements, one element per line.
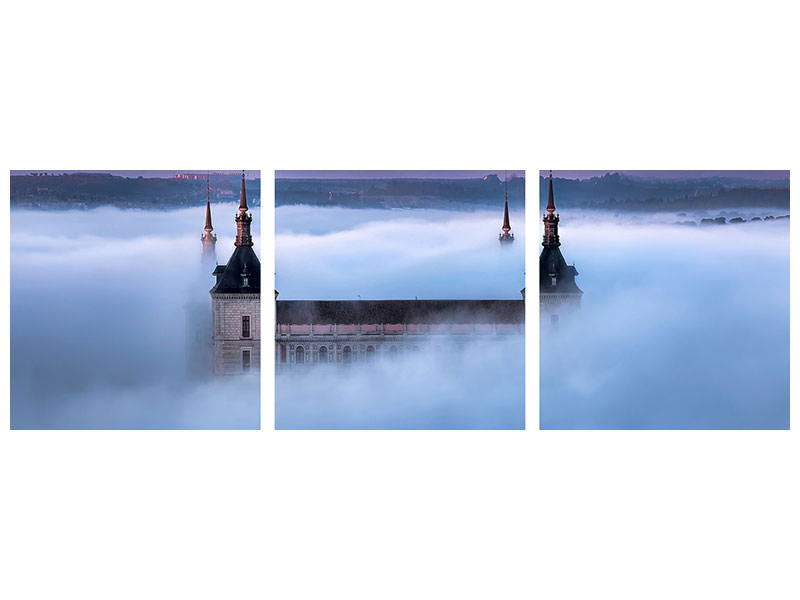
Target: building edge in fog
<point>558,292</point>
<point>236,301</point>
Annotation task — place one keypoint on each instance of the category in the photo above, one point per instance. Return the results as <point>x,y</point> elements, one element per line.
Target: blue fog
<point>110,322</point>
<point>680,328</point>
<point>338,253</point>
<point>341,253</point>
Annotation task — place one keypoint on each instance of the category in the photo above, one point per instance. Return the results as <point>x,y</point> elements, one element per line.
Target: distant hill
<point>615,191</point>
<point>444,194</point>
<point>90,190</point>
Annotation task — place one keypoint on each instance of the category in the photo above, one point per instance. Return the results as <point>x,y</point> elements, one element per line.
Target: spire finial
<point>551,204</point>
<point>243,197</point>
<point>209,227</point>
<point>506,236</point>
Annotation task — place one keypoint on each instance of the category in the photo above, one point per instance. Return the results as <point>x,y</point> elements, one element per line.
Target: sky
<point>679,327</point>
<point>430,174</point>
<point>671,175</point>
<point>339,253</point>
<point>110,322</point>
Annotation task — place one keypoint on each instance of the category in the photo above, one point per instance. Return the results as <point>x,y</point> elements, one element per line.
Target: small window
<point>246,326</point>
<point>553,279</point>
<point>323,354</point>
<point>347,354</point>
<point>300,355</point>
<point>245,360</point>
<point>370,352</point>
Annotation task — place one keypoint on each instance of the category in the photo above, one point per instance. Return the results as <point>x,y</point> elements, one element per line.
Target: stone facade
<point>236,350</point>
<point>555,307</point>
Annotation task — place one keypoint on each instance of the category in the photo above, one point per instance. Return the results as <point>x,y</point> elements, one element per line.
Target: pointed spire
<point>506,236</point>
<point>243,197</point>
<point>506,224</point>
<point>209,228</point>
<point>208,238</point>
<point>551,239</point>
<point>243,221</point>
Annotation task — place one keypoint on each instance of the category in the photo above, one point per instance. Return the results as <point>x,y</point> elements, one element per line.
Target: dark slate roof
<point>400,311</point>
<point>551,262</point>
<point>229,277</point>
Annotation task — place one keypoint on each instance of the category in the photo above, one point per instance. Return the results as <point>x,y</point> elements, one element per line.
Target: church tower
<point>236,302</point>
<point>208,239</point>
<point>506,237</point>
<point>558,292</point>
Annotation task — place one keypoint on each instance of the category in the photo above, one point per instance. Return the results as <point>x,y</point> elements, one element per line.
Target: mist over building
<point>676,319</point>
<point>398,308</point>
<point>111,317</point>
<point>347,331</point>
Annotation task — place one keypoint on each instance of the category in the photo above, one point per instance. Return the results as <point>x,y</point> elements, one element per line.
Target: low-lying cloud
<point>110,322</point>
<point>338,253</point>
<point>444,385</point>
<point>679,327</point>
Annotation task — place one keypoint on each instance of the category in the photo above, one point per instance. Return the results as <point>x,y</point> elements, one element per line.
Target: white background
<point>412,85</point>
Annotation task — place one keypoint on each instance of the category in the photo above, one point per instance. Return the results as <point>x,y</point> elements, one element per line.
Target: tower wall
<point>555,307</point>
<point>229,343</point>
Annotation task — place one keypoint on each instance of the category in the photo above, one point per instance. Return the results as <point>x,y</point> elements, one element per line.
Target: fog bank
<point>110,322</point>
<point>340,253</point>
<point>679,327</point>
<point>480,385</point>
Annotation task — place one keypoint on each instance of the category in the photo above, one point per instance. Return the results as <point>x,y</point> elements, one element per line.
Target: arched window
<point>300,355</point>
<point>323,354</point>
<point>347,354</point>
<point>370,352</point>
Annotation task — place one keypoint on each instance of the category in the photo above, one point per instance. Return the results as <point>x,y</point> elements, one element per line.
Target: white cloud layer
<point>337,253</point>
<point>679,327</point>
<point>110,322</point>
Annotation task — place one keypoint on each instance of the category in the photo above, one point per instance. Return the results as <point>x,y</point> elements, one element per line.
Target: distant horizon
<point>377,174</point>
<point>162,174</point>
<point>671,174</point>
